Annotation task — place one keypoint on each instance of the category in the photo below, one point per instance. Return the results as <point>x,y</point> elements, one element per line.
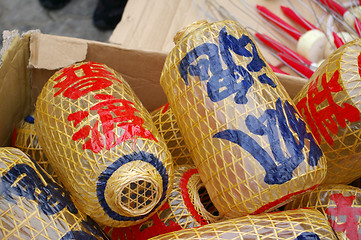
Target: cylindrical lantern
<point>330,103</point>
<point>103,144</point>
<point>26,139</point>
<point>341,204</point>
<point>33,206</point>
<point>292,225</point>
<point>167,125</point>
<point>249,144</point>
<point>188,206</point>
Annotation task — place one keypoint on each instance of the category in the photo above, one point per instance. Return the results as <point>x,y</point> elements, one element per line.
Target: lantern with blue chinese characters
<point>297,224</point>
<point>33,206</point>
<point>330,103</point>
<point>252,149</point>
<point>187,206</point>
<point>102,144</point>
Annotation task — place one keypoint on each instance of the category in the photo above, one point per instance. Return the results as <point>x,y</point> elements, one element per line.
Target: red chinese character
<point>112,112</point>
<point>350,225</point>
<point>75,82</point>
<point>331,115</point>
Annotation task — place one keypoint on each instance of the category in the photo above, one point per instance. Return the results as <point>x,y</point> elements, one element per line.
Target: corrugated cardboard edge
<point>54,52</point>
<point>15,83</point>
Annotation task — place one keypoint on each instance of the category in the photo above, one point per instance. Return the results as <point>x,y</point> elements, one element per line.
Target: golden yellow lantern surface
<point>330,104</point>
<point>33,206</point>
<point>167,125</point>
<point>249,144</point>
<point>340,203</point>
<point>292,225</point>
<point>103,145</point>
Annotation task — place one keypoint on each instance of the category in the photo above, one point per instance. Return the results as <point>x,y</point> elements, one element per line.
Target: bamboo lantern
<point>26,139</point>
<point>297,224</point>
<point>250,146</point>
<point>103,145</point>
<point>330,103</point>
<point>188,206</point>
<point>340,203</point>
<point>33,206</point>
<point>167,125</point>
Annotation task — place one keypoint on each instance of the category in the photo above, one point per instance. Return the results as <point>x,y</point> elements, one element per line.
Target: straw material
<point>27,141</point>
<point>188,206</point>
<point>33,206</point>
<point>250,146</point>
<point>167,125</point>
<point>341,204</point>
<point>330,103</point>
<point>292,225</point>
<point>103,144</point>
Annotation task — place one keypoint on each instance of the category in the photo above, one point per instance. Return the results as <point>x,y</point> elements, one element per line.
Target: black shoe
<point>53,4</point>
<point>108,14</point>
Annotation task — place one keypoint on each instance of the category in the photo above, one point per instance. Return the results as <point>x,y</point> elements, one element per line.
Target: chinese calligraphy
<point>331,116</point>
<point>224,82</point>
<point>267,125</point>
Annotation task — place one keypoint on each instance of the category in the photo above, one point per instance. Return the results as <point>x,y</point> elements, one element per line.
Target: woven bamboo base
<point>330,103</point>
<point>341,204</point>
<point>167,125</point>
<point>188,206</point>
<point>103,144</point>
<point>250,146</point>
<point>34,207</point>
<point>293,224</point>
<point>27,141</point>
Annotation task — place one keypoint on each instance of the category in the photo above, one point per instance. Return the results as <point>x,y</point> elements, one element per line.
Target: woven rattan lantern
<point>293,225</point>
<point>249,144</point>
<point>167,125</point>
<point>188,206</point>
<point>26,140</point>
<point>33,206</point>
<point>330,103</point>
<point>103,145</point>
<point>340,203</point>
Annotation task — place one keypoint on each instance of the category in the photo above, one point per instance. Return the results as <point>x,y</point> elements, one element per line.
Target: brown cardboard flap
<point>54,52</point>
<point>292,84</point>
<point>14,85</point>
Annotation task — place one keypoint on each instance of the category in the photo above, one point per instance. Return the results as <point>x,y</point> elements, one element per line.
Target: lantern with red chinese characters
<point>251,148</point>
<point>340,203</point>
<point>330,103</point>
<point>102,144</point>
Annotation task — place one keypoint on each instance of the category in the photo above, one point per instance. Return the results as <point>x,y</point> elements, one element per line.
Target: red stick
<point>337,40</point>
<point>298,18</point>
<point>276,69</point>
<point>279,22</point>
<point>334,6</point>
<point>302,69</point>
<point>281,48</point>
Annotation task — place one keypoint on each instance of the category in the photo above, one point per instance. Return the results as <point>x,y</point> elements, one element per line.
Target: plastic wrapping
<point>293,225</point>
<point>340,203</point>
<point>188,206</point>
<point>26,139</point>
<point>34,206</point>
<point>103,144</point>
<point>330,103</point>
<point>167,125</point>
<point>249,144</point>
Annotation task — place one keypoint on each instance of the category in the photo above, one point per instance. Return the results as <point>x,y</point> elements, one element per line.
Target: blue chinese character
<point>224,82</point>
<point>22,180</point>
<point>269,124</point>
<point>308,236</point>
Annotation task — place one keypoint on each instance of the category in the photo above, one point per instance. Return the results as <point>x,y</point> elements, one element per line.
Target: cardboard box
<point>29,60</point>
